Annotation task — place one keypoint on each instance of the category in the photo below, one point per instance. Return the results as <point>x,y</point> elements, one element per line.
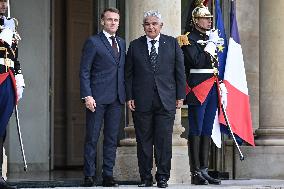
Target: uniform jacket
<point>12,52</point>
<point>196,58</point>
<point>168,79</point>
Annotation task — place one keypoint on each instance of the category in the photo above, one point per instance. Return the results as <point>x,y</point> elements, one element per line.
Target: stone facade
<point>262,42</point>
<point>260,27</point>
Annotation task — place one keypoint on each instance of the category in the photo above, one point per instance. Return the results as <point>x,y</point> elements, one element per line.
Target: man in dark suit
<point>103,91</point>
<point>155,87</point>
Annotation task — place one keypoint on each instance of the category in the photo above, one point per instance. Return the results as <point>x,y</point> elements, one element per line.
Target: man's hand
<point>224,92</point>
<point>214,36</point>
<point>90,103</point>
<point>131,105</point>
<point>20,91</point>
<point>179,103</point>
<point>20,84</point>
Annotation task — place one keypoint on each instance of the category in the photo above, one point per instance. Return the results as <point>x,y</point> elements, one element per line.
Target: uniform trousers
<point>201,117</point>
<point>7,103</point>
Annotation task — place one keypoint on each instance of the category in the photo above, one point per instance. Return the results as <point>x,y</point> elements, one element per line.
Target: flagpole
<point>8,7</point>
<point>231,131</point>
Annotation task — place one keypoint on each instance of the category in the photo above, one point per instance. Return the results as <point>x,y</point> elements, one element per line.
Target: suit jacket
<point>196,58</point>
<point>169,77</point>
<point>101,74</point>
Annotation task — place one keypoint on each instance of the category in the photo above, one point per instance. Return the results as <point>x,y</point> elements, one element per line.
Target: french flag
<point>238,106</point>
<point>221,55</point>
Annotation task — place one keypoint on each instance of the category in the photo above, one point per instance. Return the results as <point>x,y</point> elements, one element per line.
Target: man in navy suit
<point>103,92</point>
<point>155,87</point>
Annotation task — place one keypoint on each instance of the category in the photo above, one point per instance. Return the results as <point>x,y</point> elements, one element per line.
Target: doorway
<point>74,21</point>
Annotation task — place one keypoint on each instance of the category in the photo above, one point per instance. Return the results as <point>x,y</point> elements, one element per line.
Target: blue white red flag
<point>238,106</point>
<point>221,55</point>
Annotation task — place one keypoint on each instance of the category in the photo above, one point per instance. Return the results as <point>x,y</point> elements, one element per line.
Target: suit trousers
<point>154,127</point>
<point>110,114</point>
<point>201,117</point>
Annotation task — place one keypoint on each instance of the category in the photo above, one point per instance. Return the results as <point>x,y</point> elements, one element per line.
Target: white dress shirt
<point>109,39</point>
<point>150,44</point>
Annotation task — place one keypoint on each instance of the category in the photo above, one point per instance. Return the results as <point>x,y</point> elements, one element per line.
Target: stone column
<point>180,172</point>
<point>130,140</point>
<point>126,165</point>
<point>271,128</point>
<point>266,160</point>
<point>171,16</point>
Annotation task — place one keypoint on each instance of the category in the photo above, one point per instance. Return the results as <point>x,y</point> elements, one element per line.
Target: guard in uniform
<point>11,78</point>
<point>199,45</point>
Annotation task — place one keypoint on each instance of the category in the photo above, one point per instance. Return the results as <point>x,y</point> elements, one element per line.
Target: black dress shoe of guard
<point>5,185</point>
<point>89,181</point>
<point>109,182</point>
<point>198,179</point>
<point>211,180</point>
<point>146,183</point>
<point>162,183</point>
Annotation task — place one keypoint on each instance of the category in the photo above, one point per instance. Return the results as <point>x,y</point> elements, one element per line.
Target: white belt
<point>203,70</point>
<point>7,62</point>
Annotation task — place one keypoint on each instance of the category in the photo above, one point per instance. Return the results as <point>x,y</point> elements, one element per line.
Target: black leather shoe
<point>89,181</point>
<point>162,183</point>
<point>109,182</point>
<point>5,185</point>
<point>211,180</point>
<point>146,183</point>
<point>198,179</point>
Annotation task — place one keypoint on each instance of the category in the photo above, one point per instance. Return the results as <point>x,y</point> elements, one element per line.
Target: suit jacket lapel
<point>161,51</point>
<point>120,47</point>
<point>108,46</point>
<point>144,51</point>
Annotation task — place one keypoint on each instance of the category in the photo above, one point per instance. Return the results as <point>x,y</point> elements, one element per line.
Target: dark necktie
<point>153,55</point>
<point>114,46</point>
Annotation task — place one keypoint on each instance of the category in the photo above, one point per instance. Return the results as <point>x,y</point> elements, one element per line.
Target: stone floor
<point>228,184</point>
<point>73,179</point>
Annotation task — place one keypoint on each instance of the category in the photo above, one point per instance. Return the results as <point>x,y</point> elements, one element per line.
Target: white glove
<point>211,48</point>
<point>7,35</point>
<point>214,36</point>
<point>20,84</point>
<point>213,41</point>
<point>8,31</point>
<point>223,93</point>
<point>9,24</point>
<point>20,91</point>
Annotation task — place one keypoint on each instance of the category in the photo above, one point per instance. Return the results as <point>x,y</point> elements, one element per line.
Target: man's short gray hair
<point>152,13</point>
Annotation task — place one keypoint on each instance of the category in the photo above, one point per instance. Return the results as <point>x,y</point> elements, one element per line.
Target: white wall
<point>34,55</point>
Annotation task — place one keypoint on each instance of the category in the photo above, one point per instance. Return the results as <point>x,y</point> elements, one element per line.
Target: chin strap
<point>197,25</point>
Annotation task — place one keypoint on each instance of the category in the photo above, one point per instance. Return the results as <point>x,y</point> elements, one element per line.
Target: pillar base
<point>180,172</point>
<point>264,161</point>
<point>126,164</point>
